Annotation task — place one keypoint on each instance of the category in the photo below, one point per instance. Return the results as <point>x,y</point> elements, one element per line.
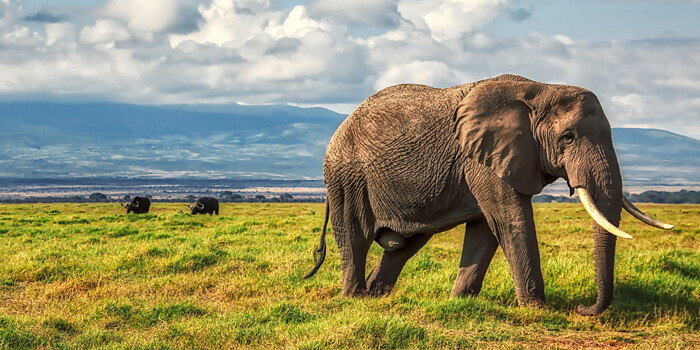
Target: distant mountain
<point>107,139</point>
<point>653,156</point>
<point>53,140</point>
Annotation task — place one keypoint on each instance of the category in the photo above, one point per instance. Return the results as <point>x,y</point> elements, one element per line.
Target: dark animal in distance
<point>205,205</point>
<point>139,205</point>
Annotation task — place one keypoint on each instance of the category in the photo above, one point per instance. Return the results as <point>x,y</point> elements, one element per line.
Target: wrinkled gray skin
<point>413,160</point>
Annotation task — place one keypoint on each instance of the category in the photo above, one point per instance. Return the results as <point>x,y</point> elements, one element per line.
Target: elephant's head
<point>531,133</point>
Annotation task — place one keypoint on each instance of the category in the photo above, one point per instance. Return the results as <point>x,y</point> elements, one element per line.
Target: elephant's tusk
<point>134,204</point>
<point>643,217</point>
<point>599,218</point>
<point>200,206</point>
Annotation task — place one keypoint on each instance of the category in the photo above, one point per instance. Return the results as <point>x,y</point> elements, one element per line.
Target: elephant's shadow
<point>647,298</point>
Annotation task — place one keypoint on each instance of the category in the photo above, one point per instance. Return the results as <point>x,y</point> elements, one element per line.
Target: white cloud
<point>14,34</point>
<point>450,18</point>
<point>417,72</point>
<point>9,14</point>
<point>104,31</point>
<point>59,31</point>
<point>680,84</point>
<point>248,51</point>
<point>297,24</point>
<point>564,39</point>
<point>230,22</point>
<point>627,107</point>
<point>144,18</point>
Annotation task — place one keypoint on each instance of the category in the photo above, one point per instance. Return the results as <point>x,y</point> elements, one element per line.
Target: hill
<point>41,140</point>
<point>53,140</point>
<point>653,156</point>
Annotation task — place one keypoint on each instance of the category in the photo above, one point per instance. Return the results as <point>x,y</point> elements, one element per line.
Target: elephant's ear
<point>492,124</point>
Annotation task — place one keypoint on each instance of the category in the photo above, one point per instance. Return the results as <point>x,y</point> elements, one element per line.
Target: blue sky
<point>642,58</point>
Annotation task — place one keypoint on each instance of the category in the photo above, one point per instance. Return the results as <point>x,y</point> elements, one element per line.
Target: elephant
<point>412,161</point>
<point>205,205</point>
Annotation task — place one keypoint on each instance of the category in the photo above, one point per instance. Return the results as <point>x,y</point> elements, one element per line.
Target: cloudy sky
<point>641,57</point>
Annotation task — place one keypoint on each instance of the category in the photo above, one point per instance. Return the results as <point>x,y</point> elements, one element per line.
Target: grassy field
<point>89,276</point>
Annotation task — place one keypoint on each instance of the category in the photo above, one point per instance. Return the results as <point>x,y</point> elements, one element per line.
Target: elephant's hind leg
<point>479,246</point>
<point>353,248</point>
<point>383,277</point>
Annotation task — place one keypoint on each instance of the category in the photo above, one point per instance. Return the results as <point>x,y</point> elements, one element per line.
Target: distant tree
<point>543,198</point>
<point>190,198</point>
<point>682,196</point>
<point>286,197</point>
<point>228,196</point>
<point>546,198</point>
<point>76,199</point>
<point>98,197</point>
<point>259,198</point>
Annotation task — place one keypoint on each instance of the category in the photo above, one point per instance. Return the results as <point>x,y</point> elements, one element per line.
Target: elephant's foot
<point>468,282</point>
<point>538,303</point>
<point>531,291</point>
<point>378,287</point>
<point>352,285</point>
<point>356,293</point>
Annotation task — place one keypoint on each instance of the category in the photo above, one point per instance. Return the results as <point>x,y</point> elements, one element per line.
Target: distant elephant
<point>139,205</point>
<point>413,160</point>
<point>205,205</point>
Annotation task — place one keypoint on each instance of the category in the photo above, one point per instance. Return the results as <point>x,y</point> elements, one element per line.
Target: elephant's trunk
<point>604,255</point>
<point>603,181</point>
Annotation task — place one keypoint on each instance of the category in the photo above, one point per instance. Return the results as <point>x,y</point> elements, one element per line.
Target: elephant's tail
<point>320,252</point>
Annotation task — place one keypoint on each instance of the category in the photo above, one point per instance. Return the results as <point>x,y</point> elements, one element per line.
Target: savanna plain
<point>89,276</point>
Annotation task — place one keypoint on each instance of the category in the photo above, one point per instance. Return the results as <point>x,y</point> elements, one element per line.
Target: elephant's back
<point>397,150</point>
<point>387,118</point>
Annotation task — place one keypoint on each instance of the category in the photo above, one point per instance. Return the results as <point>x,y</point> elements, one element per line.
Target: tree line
<point>683,196</point>
<point>679,197</point>
<point>224,197</point>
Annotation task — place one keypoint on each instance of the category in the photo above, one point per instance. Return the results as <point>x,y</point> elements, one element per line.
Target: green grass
<point>84,276</point>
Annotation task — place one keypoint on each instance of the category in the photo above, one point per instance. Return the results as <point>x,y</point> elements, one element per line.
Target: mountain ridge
<point>54,140</point>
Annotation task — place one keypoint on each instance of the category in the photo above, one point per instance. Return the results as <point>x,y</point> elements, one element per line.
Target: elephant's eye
<point>567,137</point>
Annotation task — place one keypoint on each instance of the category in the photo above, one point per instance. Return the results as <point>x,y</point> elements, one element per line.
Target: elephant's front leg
<point>517,237</point>
<point>384,276</point>
<point>479,246</point>
<point>510,217</point>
